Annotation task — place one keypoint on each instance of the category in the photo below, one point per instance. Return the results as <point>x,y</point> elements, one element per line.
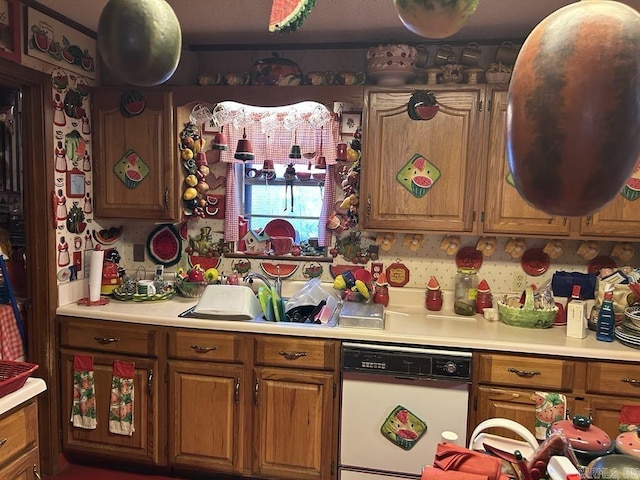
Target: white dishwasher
<point>396,402</point>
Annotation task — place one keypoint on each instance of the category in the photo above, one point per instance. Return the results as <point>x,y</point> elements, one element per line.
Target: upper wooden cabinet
<point>620,218</point>
<point>144,145</point>
<point>504,210</point>
<point>420,175</point>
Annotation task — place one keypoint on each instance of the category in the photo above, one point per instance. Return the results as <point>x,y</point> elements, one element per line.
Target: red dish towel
<point>83,409</point>
<point>121,408</point>
<point>10,341</point>
<point>629,418</point>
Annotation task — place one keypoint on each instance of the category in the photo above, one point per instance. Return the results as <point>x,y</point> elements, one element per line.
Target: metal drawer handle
<point>200,349</point>
<point>35,472</point>
<point>3,441</point>
<point>523,373</point>
<point>292,355</point>
<point>631,381</point>
<point>106,340</point>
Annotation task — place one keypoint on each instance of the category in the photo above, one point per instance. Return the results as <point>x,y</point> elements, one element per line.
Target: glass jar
<point>466,291</point>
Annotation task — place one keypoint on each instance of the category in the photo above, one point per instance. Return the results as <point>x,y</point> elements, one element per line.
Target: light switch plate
<point>138,252</point>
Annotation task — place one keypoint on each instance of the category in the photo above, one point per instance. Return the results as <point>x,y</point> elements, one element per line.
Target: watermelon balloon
<point>573,108</point>
<point>435,18</point>
<point>140,41</point>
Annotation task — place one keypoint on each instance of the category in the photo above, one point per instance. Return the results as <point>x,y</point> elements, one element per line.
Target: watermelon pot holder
<point>403,428</point>
<point>83,408</point>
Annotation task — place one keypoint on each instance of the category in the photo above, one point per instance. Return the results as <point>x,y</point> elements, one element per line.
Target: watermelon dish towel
<point>83,409</point>
<point>629,418</point>
<point>550,408</point>
<point>121,407</point>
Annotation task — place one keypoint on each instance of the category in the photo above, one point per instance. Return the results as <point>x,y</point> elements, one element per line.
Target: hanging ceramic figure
<point>289,177</point>
<point>61,158</point>
<point>86,129</point>
<point>88,207</point>
<point>88,241</point>
<point>58,114</point>
<point>63,253</point>
<point>61,209</point>
<point>86,162</point>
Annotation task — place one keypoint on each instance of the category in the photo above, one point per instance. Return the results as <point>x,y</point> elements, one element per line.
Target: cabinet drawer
<point>613,378</point>
<point>529,372</point>
<point>199,345</point>
<point>295,352</point>
<point>26,467</point>
<point>18,432</point>
<point>113,337</point>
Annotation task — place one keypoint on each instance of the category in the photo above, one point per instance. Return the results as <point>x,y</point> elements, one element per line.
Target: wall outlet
<point>138,252</point>
<point>519,282</point>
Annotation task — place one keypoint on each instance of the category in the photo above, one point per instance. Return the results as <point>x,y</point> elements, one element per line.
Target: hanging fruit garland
<point>196,169</point>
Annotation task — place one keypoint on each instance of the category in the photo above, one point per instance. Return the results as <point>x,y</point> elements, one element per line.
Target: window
<point>283,180</point>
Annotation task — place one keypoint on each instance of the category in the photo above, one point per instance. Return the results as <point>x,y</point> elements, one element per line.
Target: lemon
<point>211,275</point>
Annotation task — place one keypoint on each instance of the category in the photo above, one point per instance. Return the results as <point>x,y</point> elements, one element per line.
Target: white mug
<point>146,287</point>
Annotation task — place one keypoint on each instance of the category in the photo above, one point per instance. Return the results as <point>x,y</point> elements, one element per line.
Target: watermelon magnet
<point>418,175</point>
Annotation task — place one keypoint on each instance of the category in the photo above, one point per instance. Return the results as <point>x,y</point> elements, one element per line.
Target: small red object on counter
<point>433,299</point>
<point>381,290</point>
<point>484,298</point>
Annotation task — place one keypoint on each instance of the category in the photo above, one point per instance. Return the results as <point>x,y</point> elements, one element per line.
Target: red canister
<point>484,298</point>
<point>433,300</point>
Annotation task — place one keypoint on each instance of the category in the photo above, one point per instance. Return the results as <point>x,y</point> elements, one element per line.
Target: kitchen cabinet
<point>504,386</point>
<point>107,342</point>
<point>295,416</point>
<point>618,219</point>
<point>504,211</point>
<point>207,392</point>
<point>136,172</point>
<point>19,455</point>
<point>398,150</point>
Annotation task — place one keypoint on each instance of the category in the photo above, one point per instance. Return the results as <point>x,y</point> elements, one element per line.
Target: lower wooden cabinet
<point>19,456</point>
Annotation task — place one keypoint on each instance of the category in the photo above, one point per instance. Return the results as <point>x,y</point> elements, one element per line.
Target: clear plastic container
<point>466,291</point>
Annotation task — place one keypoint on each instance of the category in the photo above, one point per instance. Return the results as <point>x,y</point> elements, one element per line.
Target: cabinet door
<point>206,428</point>
<point>516,405</point>
<point>505,211</point>
<point>294,423</point>
<point>151,136</point>
<point>399,151</point>
<point>605,412</point>
<point>143,445</point>
<point>25,467</point>
<point>619,218</point>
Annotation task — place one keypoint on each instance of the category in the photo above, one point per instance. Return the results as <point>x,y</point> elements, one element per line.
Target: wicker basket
<point>527,316</point>
<point>13,375</point>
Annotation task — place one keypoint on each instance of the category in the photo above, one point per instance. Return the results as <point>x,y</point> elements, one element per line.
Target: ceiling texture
<point>243,24</point>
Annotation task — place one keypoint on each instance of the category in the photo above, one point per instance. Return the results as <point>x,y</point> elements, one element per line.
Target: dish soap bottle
<point>606,319</point>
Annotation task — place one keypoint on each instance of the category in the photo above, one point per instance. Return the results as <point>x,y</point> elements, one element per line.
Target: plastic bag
<point>312,293</point>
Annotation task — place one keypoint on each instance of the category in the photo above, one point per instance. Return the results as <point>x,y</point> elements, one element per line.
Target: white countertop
<point>31,388</point>
<point>406,322</point>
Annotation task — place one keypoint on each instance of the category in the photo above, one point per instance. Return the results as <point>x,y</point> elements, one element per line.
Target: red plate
<point>601,262</point>
<point>535,262</point>
<point>469,257</point>
<point>280,228</point>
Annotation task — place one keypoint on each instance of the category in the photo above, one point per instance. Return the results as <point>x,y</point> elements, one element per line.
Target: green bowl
<point>527,316</point>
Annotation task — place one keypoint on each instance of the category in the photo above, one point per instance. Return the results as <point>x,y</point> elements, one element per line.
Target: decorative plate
<point>164,245</point>
<point>403,428</point>
<point>535,262</point>
<point>469,257</point>
<point>599,263</point>
<point>280,228</point>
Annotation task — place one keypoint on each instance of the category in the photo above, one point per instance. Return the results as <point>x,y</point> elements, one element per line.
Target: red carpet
<point>81,472</point>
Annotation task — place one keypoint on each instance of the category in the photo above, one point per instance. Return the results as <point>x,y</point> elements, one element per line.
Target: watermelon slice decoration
<point>205,262</point>
<point>271,269</point>
<point>288,15</point>
<point>132,103</point>
<point>631,190</point>
<point>433,284</point>
<point>164,245</point>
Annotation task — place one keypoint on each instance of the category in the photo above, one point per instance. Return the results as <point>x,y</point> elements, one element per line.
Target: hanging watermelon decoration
<point>288,15</point>
<point>164,245</point>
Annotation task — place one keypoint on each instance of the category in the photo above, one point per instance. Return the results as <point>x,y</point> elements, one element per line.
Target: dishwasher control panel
<point>409,362</point>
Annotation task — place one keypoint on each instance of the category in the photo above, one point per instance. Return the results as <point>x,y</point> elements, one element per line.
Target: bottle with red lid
<point>433,299</point>
<point>484,298</point>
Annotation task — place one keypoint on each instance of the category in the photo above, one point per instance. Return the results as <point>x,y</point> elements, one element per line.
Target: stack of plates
<point>392,64</point>
<point>624,336</point>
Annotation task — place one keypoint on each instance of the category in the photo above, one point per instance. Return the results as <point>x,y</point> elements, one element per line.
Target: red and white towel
<point>83,409</point>
<point>122,399</point>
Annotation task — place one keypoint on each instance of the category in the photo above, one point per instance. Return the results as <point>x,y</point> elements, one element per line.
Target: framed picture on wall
<point>75,183</point>
<point>349,122</point>
<point>10,46</point>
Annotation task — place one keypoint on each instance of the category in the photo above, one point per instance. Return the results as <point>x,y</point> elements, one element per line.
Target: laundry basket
<point>480,439</point>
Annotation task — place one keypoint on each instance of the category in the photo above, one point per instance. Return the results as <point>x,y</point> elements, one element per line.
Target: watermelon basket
<point>527,316</point>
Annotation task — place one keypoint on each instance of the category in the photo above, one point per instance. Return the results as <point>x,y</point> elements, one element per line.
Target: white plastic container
<point>577,319</point>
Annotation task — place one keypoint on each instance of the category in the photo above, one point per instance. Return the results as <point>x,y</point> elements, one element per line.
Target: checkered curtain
<point>276,146</point>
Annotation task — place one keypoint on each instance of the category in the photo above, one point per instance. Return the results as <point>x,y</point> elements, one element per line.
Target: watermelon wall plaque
<point>164,245</point>
<point>418,175</point>
<point>131,169</point>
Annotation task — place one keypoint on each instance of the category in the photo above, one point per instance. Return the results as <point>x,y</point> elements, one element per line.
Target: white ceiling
<point>223,24</point>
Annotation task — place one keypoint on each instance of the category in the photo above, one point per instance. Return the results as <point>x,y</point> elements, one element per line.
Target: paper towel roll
<point>95,274</point>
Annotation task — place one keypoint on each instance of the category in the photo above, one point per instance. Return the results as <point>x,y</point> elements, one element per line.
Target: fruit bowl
<point>190,289</point>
